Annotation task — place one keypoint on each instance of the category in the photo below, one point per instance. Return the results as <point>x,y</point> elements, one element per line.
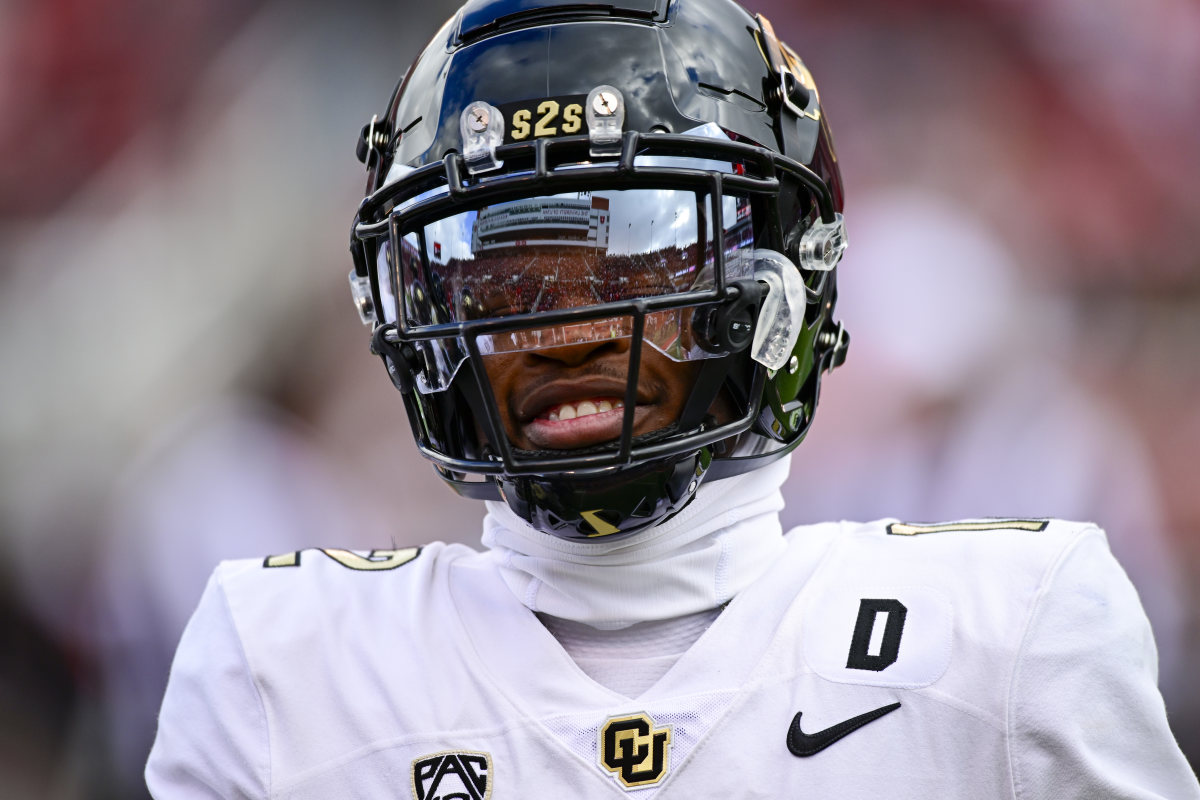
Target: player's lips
<point>570,414</point>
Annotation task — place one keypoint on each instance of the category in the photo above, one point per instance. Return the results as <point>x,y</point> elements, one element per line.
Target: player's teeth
<point>584,408</point>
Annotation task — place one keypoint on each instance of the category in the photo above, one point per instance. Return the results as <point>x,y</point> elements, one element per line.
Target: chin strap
<point>710,379</point>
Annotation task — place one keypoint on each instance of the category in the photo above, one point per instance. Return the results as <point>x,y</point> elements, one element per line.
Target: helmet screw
<point>605,104</point>
<point>793,365</point>
<point>692,486</point>
<point>477,119</point>
<point>794,420</point>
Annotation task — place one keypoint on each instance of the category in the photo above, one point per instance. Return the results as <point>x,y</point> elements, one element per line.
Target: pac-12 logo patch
<point>452,775</point>
<point>634,750</point>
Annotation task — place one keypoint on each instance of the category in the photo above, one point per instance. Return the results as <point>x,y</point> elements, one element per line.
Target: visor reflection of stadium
<point>563,251</point>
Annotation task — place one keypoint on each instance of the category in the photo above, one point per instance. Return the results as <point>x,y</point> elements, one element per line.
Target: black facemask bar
<point>537,168</point>
<point>533,167</point>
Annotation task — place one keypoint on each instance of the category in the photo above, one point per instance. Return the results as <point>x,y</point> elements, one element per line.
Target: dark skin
<point>569,396</point>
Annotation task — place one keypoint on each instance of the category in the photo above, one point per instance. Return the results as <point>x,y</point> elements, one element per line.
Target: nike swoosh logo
<point>806,744</point>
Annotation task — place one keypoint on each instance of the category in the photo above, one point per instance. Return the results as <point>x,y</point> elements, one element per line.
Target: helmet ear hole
<point>728,327</point>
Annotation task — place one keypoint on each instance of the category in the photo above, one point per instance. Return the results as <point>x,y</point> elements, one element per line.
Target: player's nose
<point>576,344</point>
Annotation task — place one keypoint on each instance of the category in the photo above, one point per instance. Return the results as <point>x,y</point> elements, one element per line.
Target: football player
<point>597,254</point>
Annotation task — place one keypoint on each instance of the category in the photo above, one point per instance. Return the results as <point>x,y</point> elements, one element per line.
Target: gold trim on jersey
<point>910,529</point>
<point>284,560</point>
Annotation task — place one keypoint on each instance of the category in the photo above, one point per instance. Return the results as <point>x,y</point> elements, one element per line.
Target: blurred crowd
<point>184,379</point>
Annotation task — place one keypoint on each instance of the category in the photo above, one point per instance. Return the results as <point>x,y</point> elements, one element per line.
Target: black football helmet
<point>533,134</point>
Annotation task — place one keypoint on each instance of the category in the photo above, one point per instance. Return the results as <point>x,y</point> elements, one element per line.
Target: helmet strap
<point>709,381</point>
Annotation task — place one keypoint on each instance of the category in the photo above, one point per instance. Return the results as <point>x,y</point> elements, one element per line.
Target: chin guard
<point>612,506</point>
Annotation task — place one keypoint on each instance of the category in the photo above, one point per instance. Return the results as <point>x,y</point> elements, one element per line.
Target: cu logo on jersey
<point>452,775</point>
<point>634,750</point>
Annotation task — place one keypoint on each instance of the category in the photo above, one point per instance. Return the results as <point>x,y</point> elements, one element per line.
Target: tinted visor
<point>557,252</point>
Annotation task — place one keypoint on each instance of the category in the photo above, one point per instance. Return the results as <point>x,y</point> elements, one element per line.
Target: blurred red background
<point>184,379</point>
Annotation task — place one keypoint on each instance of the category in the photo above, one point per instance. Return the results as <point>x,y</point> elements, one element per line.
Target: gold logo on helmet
<point>601,526</point>
<point>634,750</point>
<point>549,116</point>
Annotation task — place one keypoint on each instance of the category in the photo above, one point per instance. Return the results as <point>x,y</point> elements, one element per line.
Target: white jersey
<point>995,659</point>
